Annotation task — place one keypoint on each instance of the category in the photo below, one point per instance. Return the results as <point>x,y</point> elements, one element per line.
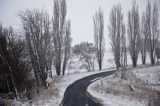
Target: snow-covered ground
<point>117,100</point>
<point>74,72</point>
<point>150,76</point>
<point>112,91</point>
<point>60,85</point>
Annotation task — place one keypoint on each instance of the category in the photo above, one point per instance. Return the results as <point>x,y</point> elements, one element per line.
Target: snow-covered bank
<point>75,65</point>
<point>150,76</point>
<point>113,91</point>
<point>117,100</point>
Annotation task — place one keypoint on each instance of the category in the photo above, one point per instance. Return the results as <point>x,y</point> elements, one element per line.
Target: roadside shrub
<point>14,63</point>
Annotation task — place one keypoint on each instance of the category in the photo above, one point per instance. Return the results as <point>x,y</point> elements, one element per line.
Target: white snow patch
<point>95,79</point>
<point>117,100</point>
<point>150,75</point>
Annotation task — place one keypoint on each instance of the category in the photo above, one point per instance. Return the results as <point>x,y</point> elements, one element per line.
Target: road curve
<point>76,94</point>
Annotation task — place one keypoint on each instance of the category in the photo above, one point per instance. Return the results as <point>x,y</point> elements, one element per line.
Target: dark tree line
<point>86,54</point>
<point>45,46</point>
<point>14,66</point>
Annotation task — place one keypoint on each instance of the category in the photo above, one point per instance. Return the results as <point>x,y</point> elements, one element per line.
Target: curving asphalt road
<point>76,94</point>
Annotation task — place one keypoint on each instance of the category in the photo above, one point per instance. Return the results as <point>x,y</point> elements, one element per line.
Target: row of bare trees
<point>142,36</point>
<point>48,41</point>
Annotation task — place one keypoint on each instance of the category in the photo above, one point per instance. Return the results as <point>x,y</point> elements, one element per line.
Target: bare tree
<point>123,51</point>
<point>152,30</point>
<point>36,27</point>
<point>143,39</point>
<point>86,53</point>
<point>133,33</point>
<point>155,30</point>
<point>67,45</point>
<point>99,37</point>
<point>117,35</point>
<point>61,36</point>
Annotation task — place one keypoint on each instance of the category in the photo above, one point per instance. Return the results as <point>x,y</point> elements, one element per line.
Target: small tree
<point>86,53</point>
<point>99,37</point>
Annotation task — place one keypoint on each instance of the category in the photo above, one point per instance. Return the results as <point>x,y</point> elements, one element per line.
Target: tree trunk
<point>143,60</point>
<point>134,62</point>
<point>152,61</point>
<point>100,65</point>
<point>64,67</point>
<point>13,82</point>
<point>58,70</point>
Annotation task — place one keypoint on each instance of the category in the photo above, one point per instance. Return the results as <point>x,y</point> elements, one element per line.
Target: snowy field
<point>108,62</point>
<point>150,76</point>
<point>113,91</point>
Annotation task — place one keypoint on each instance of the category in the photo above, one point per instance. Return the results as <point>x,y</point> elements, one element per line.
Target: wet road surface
<point>76,94</point>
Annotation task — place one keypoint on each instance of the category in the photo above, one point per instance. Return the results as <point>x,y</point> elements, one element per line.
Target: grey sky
<point>80,12</point>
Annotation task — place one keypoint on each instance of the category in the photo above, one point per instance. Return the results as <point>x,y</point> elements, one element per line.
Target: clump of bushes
<point>14,64</point>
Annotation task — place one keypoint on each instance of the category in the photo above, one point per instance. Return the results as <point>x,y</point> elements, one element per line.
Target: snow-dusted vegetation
<point>150,76</point>
<point>140,88</point>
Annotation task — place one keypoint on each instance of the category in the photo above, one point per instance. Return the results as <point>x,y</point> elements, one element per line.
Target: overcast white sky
<point>80,12</point>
